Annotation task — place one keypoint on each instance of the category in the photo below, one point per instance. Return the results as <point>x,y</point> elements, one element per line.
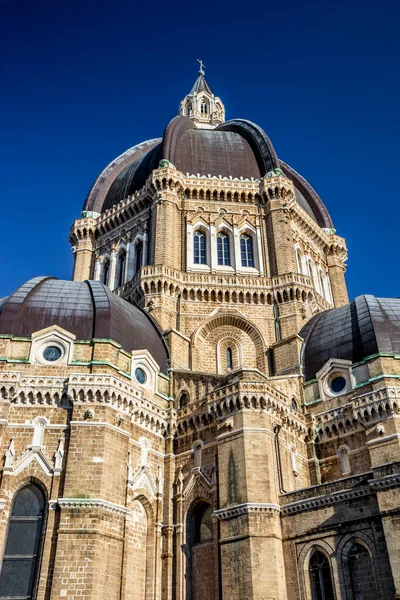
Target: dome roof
<point>237,148</point>
<point>87,309</point>
<point>351,332</point>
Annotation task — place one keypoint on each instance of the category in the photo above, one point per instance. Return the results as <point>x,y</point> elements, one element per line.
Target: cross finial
<point>202,66</point>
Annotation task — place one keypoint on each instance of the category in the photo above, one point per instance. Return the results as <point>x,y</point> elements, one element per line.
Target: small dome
<point>237,148</point>
<point>87,309</point>
<point>364,327</point>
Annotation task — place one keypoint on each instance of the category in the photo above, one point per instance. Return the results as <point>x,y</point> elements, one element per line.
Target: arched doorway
<point>19,569</point>
<point>199,552</point>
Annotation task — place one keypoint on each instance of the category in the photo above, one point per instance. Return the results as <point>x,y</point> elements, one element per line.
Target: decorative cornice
<point>92,503</point>
<point>385,483</point>
<point>323,501</point>
<point>246,508</point>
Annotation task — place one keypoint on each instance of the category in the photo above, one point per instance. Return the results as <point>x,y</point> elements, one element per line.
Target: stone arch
<point>304,564</point>
<point>371,575</point>
<point>140,545</point>
<point>199,550</point>
<point>215,328</point>
<point>26,516</point>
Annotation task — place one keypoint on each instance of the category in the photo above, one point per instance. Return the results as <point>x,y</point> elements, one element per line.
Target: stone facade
<point>230,478</point>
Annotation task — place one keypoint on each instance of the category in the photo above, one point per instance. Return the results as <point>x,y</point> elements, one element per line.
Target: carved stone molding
<point>247,508</point>
<point>92,503</point>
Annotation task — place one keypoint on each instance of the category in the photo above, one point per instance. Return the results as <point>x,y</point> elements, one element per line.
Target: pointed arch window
<point>121,268</point>
<point>138,256</point>
<point>246,251</point>
<point>199,248</point>
<point>22,549</point>
<point>106,272</point>
<point>320,577</point>
<point>204,107</point>
<point>223,249</point>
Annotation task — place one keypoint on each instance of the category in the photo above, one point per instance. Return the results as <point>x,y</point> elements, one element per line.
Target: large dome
<point>87,309</point>
<point>364,327</point>
<point>237,148</point>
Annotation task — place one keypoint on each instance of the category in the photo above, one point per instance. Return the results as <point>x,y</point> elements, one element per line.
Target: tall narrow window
<point>320,577</point>
<point>21,556</point>
<point>199,248</point>
<point>223,249</point>
<point>138,256</point>
<point>229,359</point>
<point>121,269</point>
<point>204,108</point>
<point>246,251</point>
<point>106,272</point>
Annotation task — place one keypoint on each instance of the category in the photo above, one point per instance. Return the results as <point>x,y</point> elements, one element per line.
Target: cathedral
<point>200,413</point>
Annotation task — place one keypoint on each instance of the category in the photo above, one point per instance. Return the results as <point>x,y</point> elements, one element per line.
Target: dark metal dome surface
<point>87,309</point>
<point>237,148</point>
<point>364,327</point>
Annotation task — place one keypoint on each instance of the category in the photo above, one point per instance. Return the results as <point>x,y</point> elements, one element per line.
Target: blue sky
<point>83,81</point>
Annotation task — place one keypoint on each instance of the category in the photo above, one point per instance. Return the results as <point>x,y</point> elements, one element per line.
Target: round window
<point>52,353</point>
<point>338,383</point>
<point>140,375</point>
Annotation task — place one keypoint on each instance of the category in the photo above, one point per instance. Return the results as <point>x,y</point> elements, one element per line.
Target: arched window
<point>229,359</point>
<point>21,557</point>
<point>320,577</point>
<point>183,400</point>
<point>106,272</point>
<point>223,249</point>
<point>204,107</point>
<point>199,537</point>
<point>138,256</point>
<point>294,404</point>
<point>246,251</point>
<point>121,268</point>
<point>199,248</point>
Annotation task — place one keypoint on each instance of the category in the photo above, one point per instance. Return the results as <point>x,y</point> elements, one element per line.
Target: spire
<point>201,105</point>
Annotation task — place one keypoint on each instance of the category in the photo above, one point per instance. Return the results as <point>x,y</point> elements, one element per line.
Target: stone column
<point>258,249</point>
<point>128,252</point>
<point>97,269</point>
<point>113,264</point>
<point>213,248</point>
<point>82,240</point>
<point>145,243</point>
<point>279,237</point>
<point>338,283</point>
